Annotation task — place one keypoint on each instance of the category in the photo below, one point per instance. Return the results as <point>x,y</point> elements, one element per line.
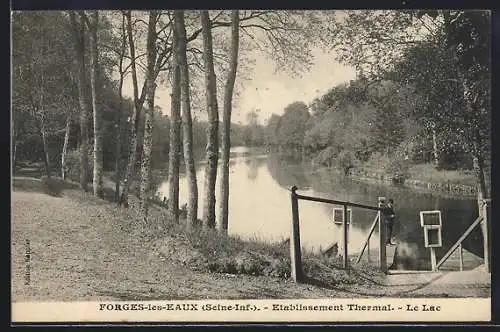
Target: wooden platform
<point>470,260</point>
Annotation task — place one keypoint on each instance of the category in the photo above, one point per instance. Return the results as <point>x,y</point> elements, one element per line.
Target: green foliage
<point>271,129</point>
<point>394,167</point>
<point>346,160</point>
<point>326,157</point>
<point>44,87</point>
<point>217,252</point>
<point>211,251</point>
<point>370,40</point>
<point>292,125</point>
<point>469,38</point>
<point>388,131</point>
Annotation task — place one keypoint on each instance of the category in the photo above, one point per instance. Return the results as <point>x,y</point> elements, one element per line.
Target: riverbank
<point>83,248</point>
<point>423,177</point>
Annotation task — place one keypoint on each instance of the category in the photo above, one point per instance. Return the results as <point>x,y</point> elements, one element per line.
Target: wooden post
<point>485,230</point>
<point>382,256</point>
<point>461,257</point>
<point>366,244</point>
<point>295,254</point>
<point>344,240</point>
<point>433,259</point>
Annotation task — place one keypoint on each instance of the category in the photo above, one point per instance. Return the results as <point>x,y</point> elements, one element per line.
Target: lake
<point>260,208</point>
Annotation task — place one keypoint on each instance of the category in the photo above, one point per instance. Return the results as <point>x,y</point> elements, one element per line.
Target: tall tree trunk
<point>175,136</point>
<point>118,150</point>
<point>14,144</point>
<point>79,44</point>
<point>149,112</point>
<point>476,141</point>
<point>435,150</point>
<point>46,156</point>
<point>65,147</point>
<point>212,149</point>
<point>14,153</point>
<point>43,132</point>
<point>423,150</point>
<point>479,169</point>
<point>97,182</point>
<point>187,123</point>
<point>131,162</point>
<point>134,129</point>
<point>118,119</point>
<point>226,123</point>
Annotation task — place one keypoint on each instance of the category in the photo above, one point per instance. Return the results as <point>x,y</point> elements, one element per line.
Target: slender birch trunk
<point>226,123</point>
<point>14,144</point>
<point>118,150</point>
<point>187,122</point>
<point>46,155</point>
<point>97,182</point>
<point>175,136</point>
<point>65,147</point>
<point>435,151</point>
<point>41,109</point>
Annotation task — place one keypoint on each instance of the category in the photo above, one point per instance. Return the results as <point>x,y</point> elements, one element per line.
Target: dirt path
<point>80,251</point>
<point>84,249</point>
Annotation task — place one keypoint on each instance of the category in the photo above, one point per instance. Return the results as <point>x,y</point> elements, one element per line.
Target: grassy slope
<point>88,249</point>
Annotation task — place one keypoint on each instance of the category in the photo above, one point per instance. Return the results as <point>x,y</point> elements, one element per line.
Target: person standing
<point>390,218</point>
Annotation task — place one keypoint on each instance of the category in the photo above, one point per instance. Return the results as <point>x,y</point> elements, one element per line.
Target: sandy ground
<point>82,248</point>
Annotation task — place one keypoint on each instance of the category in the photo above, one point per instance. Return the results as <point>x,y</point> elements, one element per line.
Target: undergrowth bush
<point>212,251</point>
<point>231,254</point>
<point>346,160</point>
<point>54,186</point>
<point>326,157</point>
<point>73,165</point>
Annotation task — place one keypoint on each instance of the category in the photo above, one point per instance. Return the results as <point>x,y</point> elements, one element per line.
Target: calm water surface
<point>259,206</point>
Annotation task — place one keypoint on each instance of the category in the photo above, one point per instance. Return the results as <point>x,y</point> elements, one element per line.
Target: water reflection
<point>259,206</point>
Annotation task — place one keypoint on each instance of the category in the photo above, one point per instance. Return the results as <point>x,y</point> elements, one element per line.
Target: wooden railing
<point>458,244</point>
<point>482,221</point>
<point>295,248</point>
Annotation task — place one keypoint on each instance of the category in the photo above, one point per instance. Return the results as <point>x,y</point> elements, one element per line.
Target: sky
<point>271,92</point>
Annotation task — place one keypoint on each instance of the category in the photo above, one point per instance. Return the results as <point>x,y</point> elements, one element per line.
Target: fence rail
<point>332,201</point>
<point>295,248</point>
<point>458,244</point>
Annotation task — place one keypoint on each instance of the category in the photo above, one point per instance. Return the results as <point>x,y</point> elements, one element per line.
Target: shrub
<point>326,157</point>
<point>346,160</point>
<point>73,165</point>
<point>393,167</point>
<point>398,171</point>
<point>54,186</point>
